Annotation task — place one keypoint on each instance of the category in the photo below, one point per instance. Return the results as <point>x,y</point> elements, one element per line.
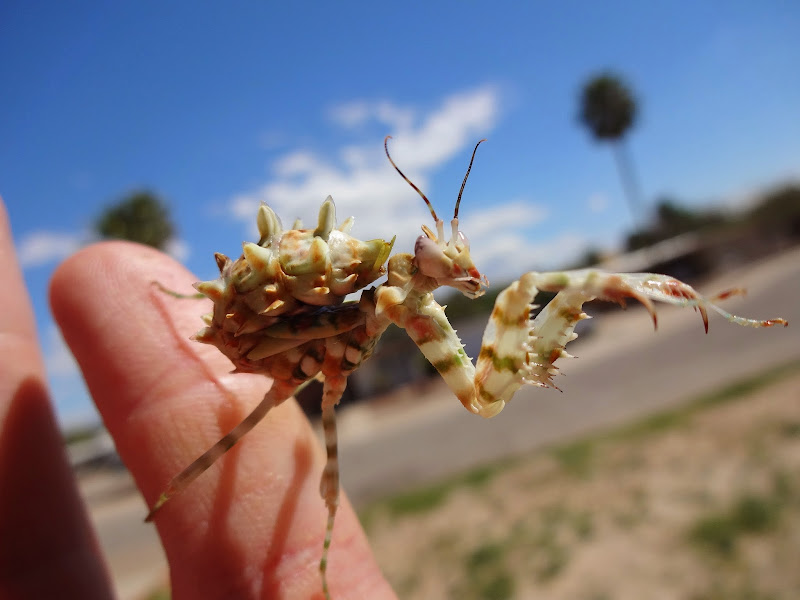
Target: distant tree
<point>140,217</point>
<point>778,212</point>
<point>589,258</point>
<point>672,219</point>
<point>608,109</point>
<point>675,218</point>
<point>641,238</point>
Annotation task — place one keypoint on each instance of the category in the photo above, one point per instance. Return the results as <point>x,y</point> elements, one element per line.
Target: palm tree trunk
<point>630,182</point>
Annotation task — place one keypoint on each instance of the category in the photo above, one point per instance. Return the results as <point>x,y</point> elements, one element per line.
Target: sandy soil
<point>704,505</point>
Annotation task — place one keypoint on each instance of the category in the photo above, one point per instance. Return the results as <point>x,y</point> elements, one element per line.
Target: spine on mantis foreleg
<point>429,328</point>
<point>517,350</point>
<point>511,355</point>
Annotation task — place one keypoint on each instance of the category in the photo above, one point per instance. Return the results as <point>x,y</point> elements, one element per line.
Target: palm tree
<point>608,110</point>
<point>140,217</point>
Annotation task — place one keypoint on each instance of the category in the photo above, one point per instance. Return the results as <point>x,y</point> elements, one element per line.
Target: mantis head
<point>447,262</point>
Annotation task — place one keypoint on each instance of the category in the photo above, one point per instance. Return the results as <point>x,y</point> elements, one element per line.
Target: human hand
<point>250,527</point>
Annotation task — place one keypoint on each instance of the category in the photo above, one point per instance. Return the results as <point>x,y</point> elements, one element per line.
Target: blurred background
<point>635,136</point>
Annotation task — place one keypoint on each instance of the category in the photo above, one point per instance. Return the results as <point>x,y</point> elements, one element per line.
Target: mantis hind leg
<point>174,294</point>
<point>276,394</point>
<point>329,484</point>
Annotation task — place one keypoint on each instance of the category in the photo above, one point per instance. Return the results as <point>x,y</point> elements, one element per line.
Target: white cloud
<point>461,119</point>
<point>350,114</point>
<point>357,113</point>
<point>42,247</point>
<point>177,249</point>
<point>496,220</point>
<point>39,248</point>
<point>398,117</point>
<point>297,163</point>
<point>564,249</point>
<point>360,178</point>
<point>501,240</point>
<point>511,253</point>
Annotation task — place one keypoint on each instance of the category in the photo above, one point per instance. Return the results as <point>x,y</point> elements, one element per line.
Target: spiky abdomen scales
<point>288,290</point>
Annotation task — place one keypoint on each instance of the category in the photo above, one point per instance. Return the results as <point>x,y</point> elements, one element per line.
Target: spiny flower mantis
<point>280,309</point>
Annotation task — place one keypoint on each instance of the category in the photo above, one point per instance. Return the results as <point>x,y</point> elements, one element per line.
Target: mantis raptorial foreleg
<point>518,350</point>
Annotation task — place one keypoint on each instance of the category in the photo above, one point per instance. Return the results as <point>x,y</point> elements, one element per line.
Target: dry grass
<point>702,503</point>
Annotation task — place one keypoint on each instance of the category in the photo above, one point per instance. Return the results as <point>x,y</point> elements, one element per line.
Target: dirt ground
<point>699,503</point>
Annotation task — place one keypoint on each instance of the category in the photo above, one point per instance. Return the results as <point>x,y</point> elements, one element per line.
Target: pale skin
<point>253,525</point>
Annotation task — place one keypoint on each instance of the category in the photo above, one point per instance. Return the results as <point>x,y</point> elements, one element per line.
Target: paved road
<point>132,548</point>
<point>625,370</point>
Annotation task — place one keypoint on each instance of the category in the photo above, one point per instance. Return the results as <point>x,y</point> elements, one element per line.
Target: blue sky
<point>219,107</point>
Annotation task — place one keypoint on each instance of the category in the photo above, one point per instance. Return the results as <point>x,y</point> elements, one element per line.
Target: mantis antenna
<point>408,181</point>
<point>463,183</point>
